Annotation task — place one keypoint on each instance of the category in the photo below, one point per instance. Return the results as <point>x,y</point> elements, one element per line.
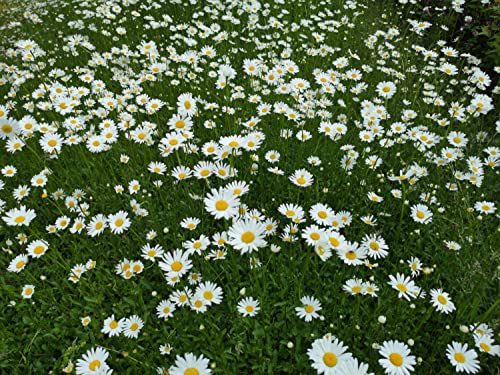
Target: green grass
<point>45,332</point>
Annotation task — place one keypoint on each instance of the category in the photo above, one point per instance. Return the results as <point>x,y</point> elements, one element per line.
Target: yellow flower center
<point>20,219</point>
<point>28,291</point>
<point>301,180</point>
<point>205,172</point>
<point>99,225</point>
<point>52,143</point>
<point>420,214</point>
<point>315,236</point>
<point>248,237</point>
<point>208,295</point>
<point>113,324</point>
<point>442,300</point>
<point>334,242</point>
<point>309,309</point>
<point>187,104</point>
<point>351,255</point>
<point>485,347</point>
<point>402,288</point>
<point>198,304</point>
<point>38,250</point>
<point>330,359</point>
<point>386,89</point>
<point>249,308</point>
<point>459,357</point>
<point>134,327</point>
<point>191,371</point>
<point>356,289</point>
<point>396,359</point>
<point>176,266</point>
<point>94,365</point>
<point>322,214</point>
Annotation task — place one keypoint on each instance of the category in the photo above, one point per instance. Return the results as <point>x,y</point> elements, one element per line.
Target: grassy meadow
<point>245,187</point>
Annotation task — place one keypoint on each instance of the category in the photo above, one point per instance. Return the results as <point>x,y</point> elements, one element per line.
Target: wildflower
<point>28,291</point>
<point>132,326</point>
<point>112,327</point>
<point>421,214</point>
<point>397,359</point>
<point>248,307</point>
<point>19,216</point>
<point>442,301</point>
<point>461,358</point>
<point>309,311</point>
<point>190,365</point>
<point>247,235</point>
<point>328,355</point>
<point>93,362</point>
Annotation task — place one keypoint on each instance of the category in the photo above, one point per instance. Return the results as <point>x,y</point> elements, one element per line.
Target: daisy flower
<point>165,349</point>
<point>176,263</point>
<point>248,307</point>
<point>112,327</point>
<point>485,344</point>
<point>18,263</point>
<point>421,214</point>
<point>28,291</point>
<point>302,178</point>
<point>461,358</point>
<point>321,214</point>
<point>198,304</point>
<point>313,234</point>
<point>222,204</point>
<point>97,225</point>
<point>485,207</point>
<point>397,359</point>
<point>237,188</point>
<point>292,211</point>
<point>354,286</point>
<point>93,362</point>
<point>328,355</point>
<point>247,235</point>
<point>152,252</point>
<point>441,301</point>
<point>186,105</point>
<point>132,326</point>
<point>181,297</point>
<point>190,365</point>
<point>37,248</point>
<point>386,89</point>
<point>190,223</point>
<point>375,245</point>
<point>19,216</point>
<point>309,311</point>
<point>211,293</point>
<point>352,367</point>
<point>404,286</point>
<point>352,254</point>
